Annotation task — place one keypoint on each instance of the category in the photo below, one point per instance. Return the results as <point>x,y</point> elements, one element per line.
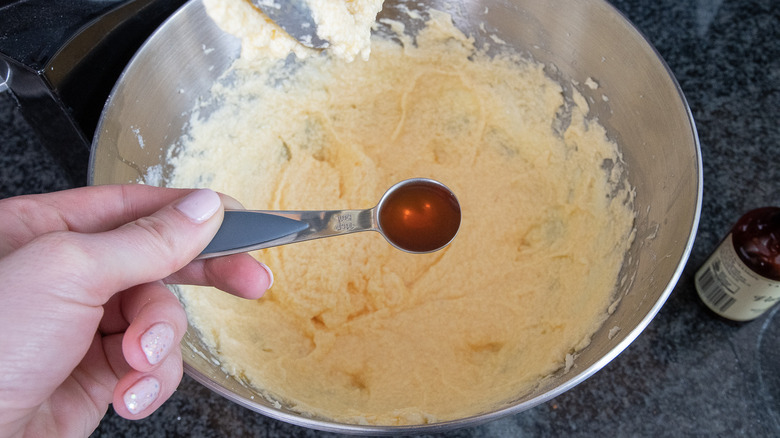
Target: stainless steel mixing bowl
<point>582,43</point>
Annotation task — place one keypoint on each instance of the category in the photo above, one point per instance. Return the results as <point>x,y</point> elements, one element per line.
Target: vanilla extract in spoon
<point>417,215</point>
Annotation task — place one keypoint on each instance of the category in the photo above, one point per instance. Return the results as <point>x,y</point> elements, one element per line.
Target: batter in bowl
<point>357,331</point>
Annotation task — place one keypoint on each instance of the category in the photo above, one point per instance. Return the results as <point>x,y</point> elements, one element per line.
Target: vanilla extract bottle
<point>741,279</point>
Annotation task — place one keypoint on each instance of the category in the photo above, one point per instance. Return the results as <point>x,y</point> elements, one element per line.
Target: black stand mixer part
<point>61,58</point>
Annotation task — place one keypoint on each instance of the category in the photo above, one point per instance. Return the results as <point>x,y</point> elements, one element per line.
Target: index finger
<point>102,208</point>
<point>85,210</point>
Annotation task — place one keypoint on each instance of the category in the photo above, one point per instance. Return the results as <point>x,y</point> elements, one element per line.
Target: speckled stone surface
<point>689,373</point>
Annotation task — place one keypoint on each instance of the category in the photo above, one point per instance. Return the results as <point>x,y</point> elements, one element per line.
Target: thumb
<point>53,289</point>
<point>152,247</point>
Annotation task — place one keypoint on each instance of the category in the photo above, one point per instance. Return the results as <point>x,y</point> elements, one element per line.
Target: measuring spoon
<point>418,215</point>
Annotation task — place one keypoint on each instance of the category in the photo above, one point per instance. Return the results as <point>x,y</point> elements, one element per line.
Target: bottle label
<point>731,289</point>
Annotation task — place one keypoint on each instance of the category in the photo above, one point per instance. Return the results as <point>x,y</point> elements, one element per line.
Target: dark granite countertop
<point>689,373</point>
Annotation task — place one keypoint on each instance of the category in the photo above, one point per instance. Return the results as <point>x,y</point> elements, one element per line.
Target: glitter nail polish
<point>156,342</point>
<point>139,396</point>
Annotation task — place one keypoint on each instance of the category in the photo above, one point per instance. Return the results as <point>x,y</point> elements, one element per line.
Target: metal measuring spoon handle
<point>247,230</point>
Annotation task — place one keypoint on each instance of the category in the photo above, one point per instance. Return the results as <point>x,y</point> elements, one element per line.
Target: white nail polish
<point>270,274</point>
<point>199,205</point>
<point>139,396</point>
<point>157,341</point>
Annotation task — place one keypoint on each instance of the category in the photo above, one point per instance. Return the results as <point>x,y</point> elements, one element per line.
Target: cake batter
<point>357,331</point>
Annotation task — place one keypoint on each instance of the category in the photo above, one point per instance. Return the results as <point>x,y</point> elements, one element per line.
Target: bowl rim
<point>478,419</point>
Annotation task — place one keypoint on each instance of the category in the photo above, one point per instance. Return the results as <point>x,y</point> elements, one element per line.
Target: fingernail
<point>199,205</point>
<point>157,341</point>
<point>232,203</point>
<point>270,275</point>
<point>139,396</point>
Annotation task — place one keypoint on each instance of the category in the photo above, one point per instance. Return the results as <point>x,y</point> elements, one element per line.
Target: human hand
<point>85,317</point>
